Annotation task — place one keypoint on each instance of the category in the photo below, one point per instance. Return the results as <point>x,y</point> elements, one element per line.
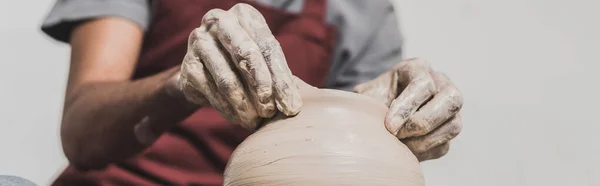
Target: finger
<point>190,92</point>
<point>417,87</point>
<point>286,96</point>
<point>434,153</point>
<point>189,65</point>
<point>206,85</point>
<point>221,70</point>
<point>444,105</point>
<point>196,75</point>
<point>193,75</point>
<point>246,55</point>
<point>383,88</point>
<point>440,135</point>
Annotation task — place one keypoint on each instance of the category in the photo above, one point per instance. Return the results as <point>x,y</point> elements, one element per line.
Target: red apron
<point>196,151</point>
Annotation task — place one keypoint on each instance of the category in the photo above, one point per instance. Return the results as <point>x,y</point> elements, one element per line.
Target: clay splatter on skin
<point>337,139</point>
<point>424,106</point>
<point>235,64</point>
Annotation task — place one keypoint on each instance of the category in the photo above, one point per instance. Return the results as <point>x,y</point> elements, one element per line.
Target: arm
<point>106,115</point>
<point>424,104</point>
<point>102,106</point>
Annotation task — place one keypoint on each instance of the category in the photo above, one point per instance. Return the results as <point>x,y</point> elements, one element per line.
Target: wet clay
<point>234,63</point>
<point>337,139</point>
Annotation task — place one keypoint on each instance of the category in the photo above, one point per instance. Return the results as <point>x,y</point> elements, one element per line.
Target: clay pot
<point>337,139</point>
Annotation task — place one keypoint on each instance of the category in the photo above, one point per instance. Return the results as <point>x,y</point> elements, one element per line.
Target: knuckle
<point>456,100</point>
<point>247,9</point>
<point>242,6</point>
<point>455,107</point>
<point>213,15</point>
<point>458,97</point>
<point>455,127</point>
<point>413,64</point>
<point>191,67</point>
<point>417,61</point>
<point>266,52</point>
<point>227,84</point>
<point>428,85</point>
<point>417,126</point>
<point>194,35</point>
<point>189,58</point>
<point>402,64</point>
<point>248,53</point>
<point>198,40</point>
<point>269,45</point>
<point>399,113</point>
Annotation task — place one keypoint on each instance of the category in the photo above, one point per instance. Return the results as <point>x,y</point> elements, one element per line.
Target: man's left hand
<point>424,107</point>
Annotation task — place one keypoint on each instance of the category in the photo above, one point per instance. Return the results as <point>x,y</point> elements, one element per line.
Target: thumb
<point>382,88</point>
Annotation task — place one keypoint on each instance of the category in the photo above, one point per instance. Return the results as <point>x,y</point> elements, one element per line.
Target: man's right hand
<point>236,65</point>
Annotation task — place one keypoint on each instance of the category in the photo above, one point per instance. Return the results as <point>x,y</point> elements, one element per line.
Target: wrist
<point>166,107</point>
<point>178,89</point>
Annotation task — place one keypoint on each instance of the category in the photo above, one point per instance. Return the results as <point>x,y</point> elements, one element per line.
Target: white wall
<point>529,72</point>
<point>33,75</point>
<point>526,68</point>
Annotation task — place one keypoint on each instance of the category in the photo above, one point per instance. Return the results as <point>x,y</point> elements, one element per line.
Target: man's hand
<point>424,107</point>
<point>236,65</point>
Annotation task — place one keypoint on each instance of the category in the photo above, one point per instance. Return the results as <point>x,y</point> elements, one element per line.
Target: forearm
<point>99,118</point>
<point>103,105</point>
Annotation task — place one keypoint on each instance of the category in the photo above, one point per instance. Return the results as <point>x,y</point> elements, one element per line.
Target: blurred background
<point>527,69</point>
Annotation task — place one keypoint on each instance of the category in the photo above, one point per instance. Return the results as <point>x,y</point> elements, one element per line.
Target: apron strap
<point>315,8</point>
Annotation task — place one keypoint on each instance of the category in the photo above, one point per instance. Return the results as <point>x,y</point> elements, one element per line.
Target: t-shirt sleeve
<point>66,14</point>
<point>369,42</point>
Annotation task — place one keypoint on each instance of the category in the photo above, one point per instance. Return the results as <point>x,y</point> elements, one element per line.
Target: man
<point>134,114</point>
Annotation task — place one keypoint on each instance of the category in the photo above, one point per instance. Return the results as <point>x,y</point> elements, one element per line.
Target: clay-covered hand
<point>235,64</point>
<point>424,106</point>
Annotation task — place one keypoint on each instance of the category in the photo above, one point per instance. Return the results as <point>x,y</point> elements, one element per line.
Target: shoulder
<point>66,14</point>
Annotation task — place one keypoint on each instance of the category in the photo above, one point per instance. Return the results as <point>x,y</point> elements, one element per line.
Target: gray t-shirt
<point>14,181</point>
<point>368,42</point>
